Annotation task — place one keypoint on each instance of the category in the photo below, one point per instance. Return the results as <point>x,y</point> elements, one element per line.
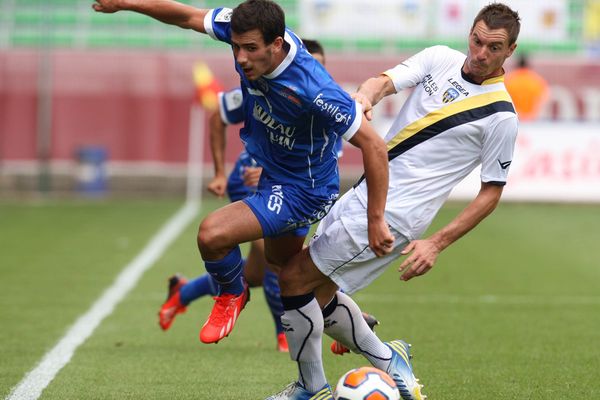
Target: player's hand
<point>217,186</point>
<point>381,240</point>
<point>251,176</point>
<point>106,6</point>
<point>365,103</point>
<point>423,254</point>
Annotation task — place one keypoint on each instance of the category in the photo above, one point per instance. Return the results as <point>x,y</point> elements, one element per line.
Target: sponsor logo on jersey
<point>290,95</point>
<point>450,95</point>
<point>458,86</point>
<point>224,15</point>
<point>278,133</point>
<point>429,85</point>
<point>332,110</point>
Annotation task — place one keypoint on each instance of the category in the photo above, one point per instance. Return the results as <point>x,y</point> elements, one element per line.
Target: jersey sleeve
<point>217,24</point>
<point>498,149</point>
<point>337,111</point>
<point>413,70</point>
<point>230,106</point>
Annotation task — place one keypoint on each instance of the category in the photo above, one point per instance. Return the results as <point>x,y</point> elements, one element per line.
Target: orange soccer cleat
<point>223,316</point>
<point>172,306</point>
<point>282,344</point>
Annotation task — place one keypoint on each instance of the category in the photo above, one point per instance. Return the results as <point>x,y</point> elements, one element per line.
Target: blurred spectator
<point>528,89</point>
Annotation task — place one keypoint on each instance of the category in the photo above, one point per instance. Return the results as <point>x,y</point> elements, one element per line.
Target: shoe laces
<point>224,305</point>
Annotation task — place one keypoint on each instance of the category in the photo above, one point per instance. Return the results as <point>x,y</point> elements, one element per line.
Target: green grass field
<point>511,311</point>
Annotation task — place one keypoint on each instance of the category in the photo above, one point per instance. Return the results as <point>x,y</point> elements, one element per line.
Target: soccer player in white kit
<point>459,116</point>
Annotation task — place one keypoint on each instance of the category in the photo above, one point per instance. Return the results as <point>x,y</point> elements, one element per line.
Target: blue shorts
<point>284,209</point>
<point>236,190</point>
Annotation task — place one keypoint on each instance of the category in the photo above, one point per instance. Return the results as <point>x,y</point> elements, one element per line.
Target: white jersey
<point>447,127</point>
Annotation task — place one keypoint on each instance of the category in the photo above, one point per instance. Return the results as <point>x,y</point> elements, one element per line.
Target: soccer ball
<point>366,383</point>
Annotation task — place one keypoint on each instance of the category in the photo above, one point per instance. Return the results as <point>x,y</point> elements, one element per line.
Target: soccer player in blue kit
<point>294,112</point>
<point>241,182</point>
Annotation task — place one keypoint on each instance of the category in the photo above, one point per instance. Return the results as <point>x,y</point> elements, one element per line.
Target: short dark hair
<point>264,15</point>
<point>500,16</point>
<point>313,46</point>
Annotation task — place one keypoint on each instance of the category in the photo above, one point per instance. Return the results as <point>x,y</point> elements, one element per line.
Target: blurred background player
<point>293,114</point>
<point>528,90</point>
<point>458,116</point>
<point>242,182</point>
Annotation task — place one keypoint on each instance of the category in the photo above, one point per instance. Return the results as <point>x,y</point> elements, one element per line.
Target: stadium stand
<point>72,24</point>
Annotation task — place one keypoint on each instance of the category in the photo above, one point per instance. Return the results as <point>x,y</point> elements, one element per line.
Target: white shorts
<point>340,247</point>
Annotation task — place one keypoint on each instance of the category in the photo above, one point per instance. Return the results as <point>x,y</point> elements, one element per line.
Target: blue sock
<point>227,272</point>
<point>201,286</point>
<point>273,297</point>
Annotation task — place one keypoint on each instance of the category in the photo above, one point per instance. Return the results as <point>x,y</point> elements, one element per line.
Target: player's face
<point>254,56</point>
<point>488,49</point>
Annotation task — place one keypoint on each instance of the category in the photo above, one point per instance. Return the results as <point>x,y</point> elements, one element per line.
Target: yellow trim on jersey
<point>445,112</point>
<point>491,81</point>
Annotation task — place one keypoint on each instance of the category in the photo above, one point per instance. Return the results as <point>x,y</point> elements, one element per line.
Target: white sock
<point>344,322</point>
<point>304,332</point>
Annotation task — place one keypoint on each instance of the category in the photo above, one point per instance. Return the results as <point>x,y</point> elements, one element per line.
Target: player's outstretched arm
<point>375,161</point>
<point>167,11</point>
<point>218,139</point>
<point>371,91</point>
<point>423,253</point>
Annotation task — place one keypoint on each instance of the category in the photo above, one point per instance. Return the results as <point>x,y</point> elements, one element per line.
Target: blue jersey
<point>293,116</point>
<point>230,107</point>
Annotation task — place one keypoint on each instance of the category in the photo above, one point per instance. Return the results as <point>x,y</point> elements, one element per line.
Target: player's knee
<point>210,238</point>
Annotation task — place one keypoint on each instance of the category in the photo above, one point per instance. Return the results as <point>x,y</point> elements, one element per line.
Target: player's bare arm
<point>374,153</point>
<point>423,253</point>
<point>372,91</point>
<point>217,138</point>
<point>167,11</point>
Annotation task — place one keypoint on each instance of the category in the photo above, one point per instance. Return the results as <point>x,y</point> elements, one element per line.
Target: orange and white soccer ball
<point>366,383</point>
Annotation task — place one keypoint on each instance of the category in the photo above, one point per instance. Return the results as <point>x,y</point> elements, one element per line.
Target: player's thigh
<point>230,225</point>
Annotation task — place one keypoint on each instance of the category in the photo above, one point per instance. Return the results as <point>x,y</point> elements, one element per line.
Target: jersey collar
<point>490,81</point>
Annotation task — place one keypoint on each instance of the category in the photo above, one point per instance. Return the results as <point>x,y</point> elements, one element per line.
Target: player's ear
<point>511,49</point>
<point>278,44</point>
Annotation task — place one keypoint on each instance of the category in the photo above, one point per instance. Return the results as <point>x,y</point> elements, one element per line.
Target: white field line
<point>36,380</point>
<point>488,299</point>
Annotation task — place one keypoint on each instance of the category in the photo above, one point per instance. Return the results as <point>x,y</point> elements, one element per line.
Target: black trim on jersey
<point>496,183</point>
<point>452,121</point>
<point>449,122</point>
